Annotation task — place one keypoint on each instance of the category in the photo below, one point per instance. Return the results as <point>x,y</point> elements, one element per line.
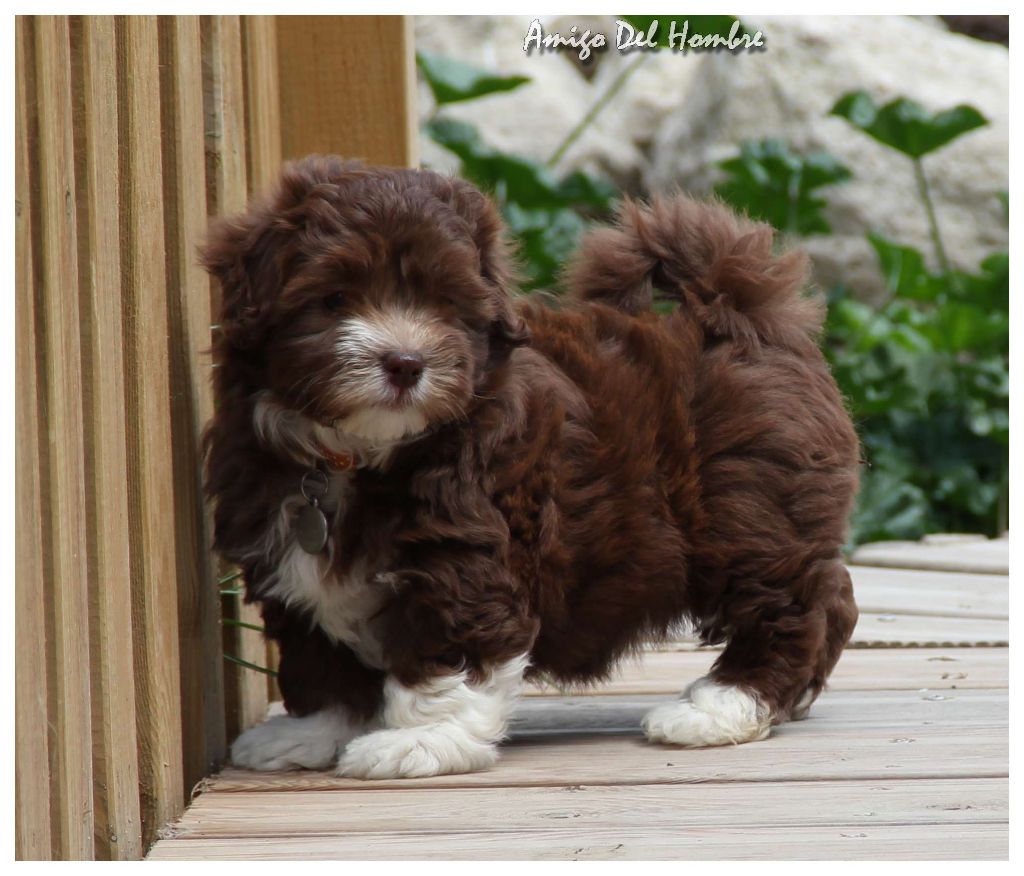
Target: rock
<point>533,120</point>
<point>530,121</point>
<point>680,114</point>
<point>787,92</point>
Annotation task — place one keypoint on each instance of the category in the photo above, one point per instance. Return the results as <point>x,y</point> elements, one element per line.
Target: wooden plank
<point>32,768</point>
<point>65,462</point>
<point>262,101</point>
<point>982,557</point>
<point>115,756</point>
<point>668,672</point>
<point>684,842</point>
<point>250,815</point>
<point>924,631</point>
<point>224,95</point>
<point>340,93</point>
<point>152,527</point>
<point>945,594</point>
<point>899,710</point>
<point>184,192</point>
<point>263,139</point>
<point>893,629</point>
<point>803,751</point>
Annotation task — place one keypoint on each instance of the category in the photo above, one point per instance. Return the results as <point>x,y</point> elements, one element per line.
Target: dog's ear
<point>254,254</point>
<point>497,267</point>
<point>245,255</point>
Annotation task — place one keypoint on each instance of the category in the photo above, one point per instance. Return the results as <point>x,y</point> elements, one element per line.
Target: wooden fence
<point>131,132</point>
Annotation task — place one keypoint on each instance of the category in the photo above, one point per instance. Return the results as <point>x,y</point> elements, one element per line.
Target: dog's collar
<point>339,461</point>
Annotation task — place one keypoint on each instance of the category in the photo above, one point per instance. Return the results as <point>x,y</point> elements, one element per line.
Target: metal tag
<point>310,529</point>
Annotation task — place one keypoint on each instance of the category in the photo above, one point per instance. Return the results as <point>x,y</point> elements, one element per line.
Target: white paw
<point>287,742</point>
<point>709,714</point>
<point>434,750</point>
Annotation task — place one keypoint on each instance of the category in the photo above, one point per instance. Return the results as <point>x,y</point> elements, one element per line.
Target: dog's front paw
<point>416,752</point>
<point>286,742</point>
<point>710,714</point>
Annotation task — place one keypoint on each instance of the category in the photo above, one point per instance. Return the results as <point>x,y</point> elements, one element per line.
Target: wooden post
<point>154,533</point>
<point>246,691</point>
<point>32,767</point>
<point>263,138</point>
<point>185,219</point>
<point>115,752</point>
<point>64,460</point>
<point>348,86</point>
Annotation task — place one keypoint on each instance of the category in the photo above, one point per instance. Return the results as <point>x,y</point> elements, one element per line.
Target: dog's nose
<point>403,369</point>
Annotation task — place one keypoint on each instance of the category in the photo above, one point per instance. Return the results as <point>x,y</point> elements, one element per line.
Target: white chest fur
<point>344,607</point>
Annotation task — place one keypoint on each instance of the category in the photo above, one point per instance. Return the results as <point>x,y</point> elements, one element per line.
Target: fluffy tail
<point>719,267</point>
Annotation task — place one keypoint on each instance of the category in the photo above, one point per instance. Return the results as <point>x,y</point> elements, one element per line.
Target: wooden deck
<point>904,757</point>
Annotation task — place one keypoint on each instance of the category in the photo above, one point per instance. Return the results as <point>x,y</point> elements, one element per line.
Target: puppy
<point>436,489</point>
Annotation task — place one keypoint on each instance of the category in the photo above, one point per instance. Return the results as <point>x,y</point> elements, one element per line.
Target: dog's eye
<point>334,301</point>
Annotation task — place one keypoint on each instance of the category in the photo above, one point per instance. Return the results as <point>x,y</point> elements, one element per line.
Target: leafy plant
<point>925,376</point>
<point>908,128</point>
<point>925,372</point>
<point>772,183</point>
<point>544,211</point>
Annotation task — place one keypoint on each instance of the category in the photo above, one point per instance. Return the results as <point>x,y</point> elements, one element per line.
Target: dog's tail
<point>718,266</point>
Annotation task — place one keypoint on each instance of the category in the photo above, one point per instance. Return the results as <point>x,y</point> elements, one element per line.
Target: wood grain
<point>32,767</point>
<point>152,522</point>
<point>931,593</point>
<point>256,814</point>
<point>348,86</point>
<point>262,101</point>
<point>981,557</point>
<point>795,752</point>
<point>189,320</point>
<point>668,672</point>
<point>263,141</point>
<point>66,548</point>
<point>224,96</point>
<point>572,843</point>
<point>115,754</point>
<point>902,712</point>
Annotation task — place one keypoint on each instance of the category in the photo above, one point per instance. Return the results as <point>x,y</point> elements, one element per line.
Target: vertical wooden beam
<point>70,746</point>
<point>32,768</point>
<point>184,169</point>
<point>348,86</point>
<point>262,101</point>
<point>245,690</point>
<point>263,139</point>
<point>152,522</point>
<point>115,753</point>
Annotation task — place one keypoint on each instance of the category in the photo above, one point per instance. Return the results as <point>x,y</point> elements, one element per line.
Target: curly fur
<point>583,476</point>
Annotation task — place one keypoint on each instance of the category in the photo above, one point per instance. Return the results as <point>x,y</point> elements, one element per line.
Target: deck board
<point>969,841</point>
<point>880,769</point>
<point>281,813</point>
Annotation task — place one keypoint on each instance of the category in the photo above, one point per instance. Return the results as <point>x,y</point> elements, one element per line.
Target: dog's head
<point>373,301</point>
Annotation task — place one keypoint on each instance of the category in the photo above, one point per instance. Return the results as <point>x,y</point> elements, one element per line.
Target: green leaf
<point>453,81</point>
<point>904,270</point>
<point>580,188</point>
<point>770,182</point>
<point>510,177</point>
<point>905,125</point>
<point>544,213</point>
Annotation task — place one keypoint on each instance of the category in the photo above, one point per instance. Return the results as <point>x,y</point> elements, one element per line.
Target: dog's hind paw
<point>416,752</point>
<point>709,714</point>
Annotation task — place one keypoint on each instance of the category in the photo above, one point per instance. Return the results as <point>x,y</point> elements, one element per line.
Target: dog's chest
<point>345,606</point>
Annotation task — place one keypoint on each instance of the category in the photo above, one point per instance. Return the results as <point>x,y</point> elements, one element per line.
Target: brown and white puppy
<point>511,486</point>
